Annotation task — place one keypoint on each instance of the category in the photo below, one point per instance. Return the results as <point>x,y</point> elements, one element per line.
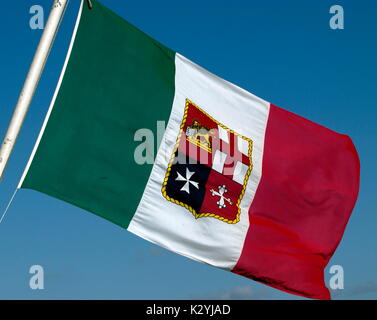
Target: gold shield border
<point>201,215</point>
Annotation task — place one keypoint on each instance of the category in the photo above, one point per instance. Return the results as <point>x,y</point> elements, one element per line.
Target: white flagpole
<point>32,79</point>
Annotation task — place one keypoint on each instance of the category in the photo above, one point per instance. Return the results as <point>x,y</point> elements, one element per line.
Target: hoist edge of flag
<point>79,123</point>
<point>52,103</point>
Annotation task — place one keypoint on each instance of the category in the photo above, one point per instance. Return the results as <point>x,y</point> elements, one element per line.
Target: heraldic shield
<point>209,168</point>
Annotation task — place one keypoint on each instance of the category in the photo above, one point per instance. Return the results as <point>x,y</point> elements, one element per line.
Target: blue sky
<point>282,51</point>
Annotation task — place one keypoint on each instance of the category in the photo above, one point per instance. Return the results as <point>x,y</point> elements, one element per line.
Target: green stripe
<point>117,81</point>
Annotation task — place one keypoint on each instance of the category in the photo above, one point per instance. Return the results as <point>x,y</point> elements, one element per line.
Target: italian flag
<point>235,182</point>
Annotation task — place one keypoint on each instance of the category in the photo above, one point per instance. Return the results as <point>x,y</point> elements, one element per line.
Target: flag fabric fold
<point>236,182</point>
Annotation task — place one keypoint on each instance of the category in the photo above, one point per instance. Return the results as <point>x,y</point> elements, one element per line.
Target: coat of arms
<point>209,168</point>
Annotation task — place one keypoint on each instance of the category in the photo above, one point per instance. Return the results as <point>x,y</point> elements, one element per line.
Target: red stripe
<point>308,189</point>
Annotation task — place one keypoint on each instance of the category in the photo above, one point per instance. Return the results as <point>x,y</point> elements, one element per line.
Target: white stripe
<point>53,98</point>
<point>172,226</point>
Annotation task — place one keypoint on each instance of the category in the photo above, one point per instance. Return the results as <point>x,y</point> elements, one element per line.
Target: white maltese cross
<point>186,186</point>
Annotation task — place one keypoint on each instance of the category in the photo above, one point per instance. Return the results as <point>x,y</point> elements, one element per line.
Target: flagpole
<point>32,79</point>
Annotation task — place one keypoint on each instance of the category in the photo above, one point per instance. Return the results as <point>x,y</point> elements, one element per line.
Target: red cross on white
<point>231,155</point>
